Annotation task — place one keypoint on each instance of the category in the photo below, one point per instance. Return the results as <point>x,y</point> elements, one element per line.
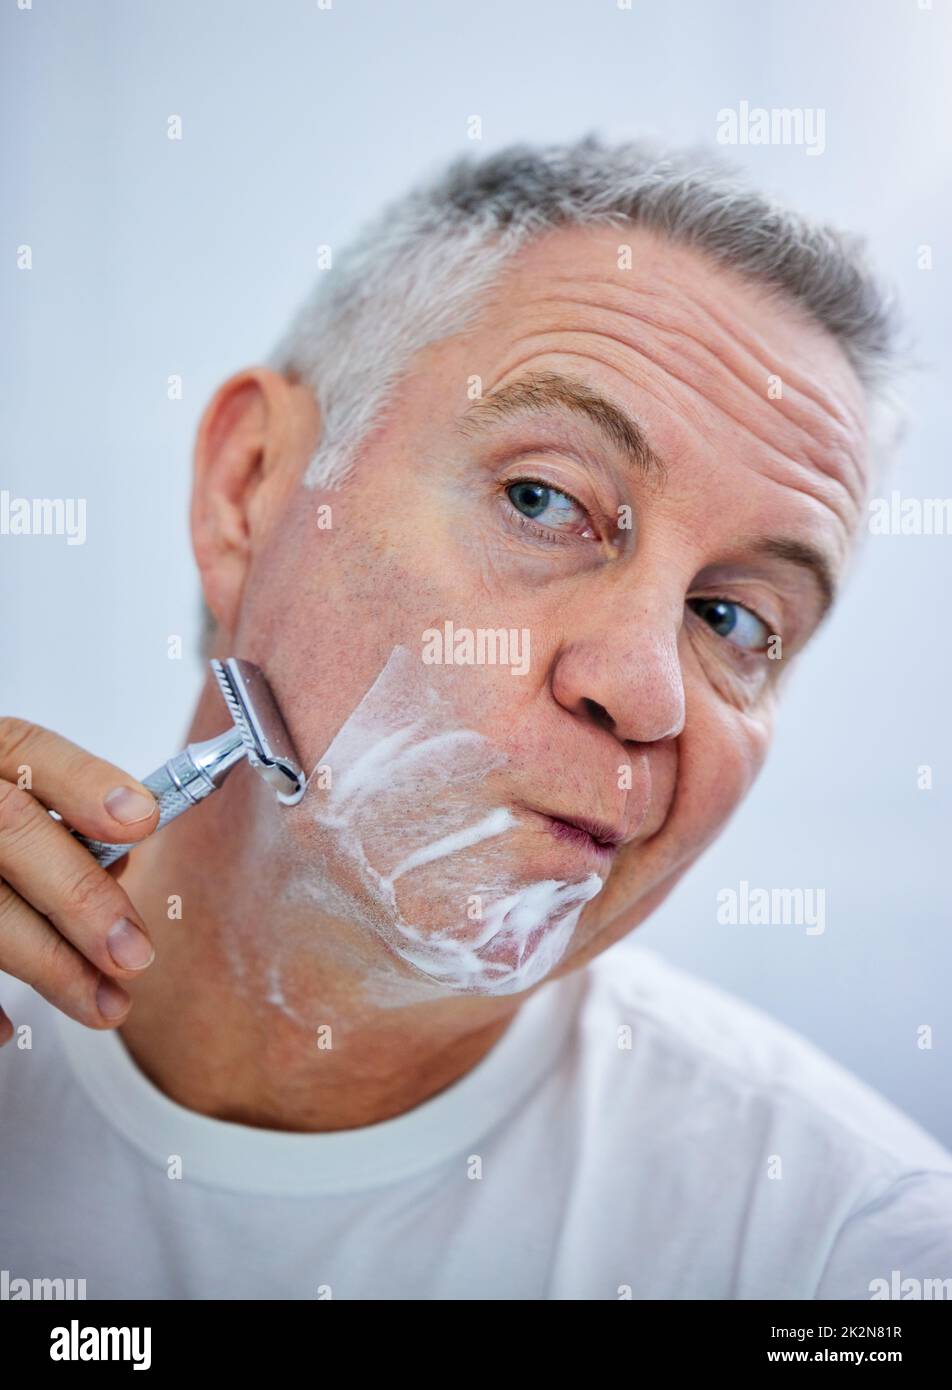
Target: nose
<point>626,679</point>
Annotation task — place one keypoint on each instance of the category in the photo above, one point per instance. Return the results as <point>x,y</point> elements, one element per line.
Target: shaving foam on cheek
<point>410,844</point>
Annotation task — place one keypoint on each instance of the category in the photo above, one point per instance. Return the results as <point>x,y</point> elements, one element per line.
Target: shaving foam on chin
<point>412,844</point>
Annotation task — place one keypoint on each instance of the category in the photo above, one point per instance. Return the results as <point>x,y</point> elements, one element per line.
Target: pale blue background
<point>153,257</point>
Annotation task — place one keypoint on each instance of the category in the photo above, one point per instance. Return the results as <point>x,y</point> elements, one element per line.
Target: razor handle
<point>183,781</point>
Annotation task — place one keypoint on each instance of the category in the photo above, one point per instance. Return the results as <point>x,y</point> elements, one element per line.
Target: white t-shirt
<point>720,1155</point>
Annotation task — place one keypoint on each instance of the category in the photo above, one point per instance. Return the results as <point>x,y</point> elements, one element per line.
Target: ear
<point>255,438</point>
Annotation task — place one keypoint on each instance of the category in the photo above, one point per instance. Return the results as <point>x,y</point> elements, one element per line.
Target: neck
<point>257,1010</point>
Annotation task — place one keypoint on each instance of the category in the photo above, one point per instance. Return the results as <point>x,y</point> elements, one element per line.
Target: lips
<point>599,839</point>
<point>603,835</point>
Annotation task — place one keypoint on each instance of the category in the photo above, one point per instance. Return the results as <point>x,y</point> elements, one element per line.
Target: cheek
<point>323,607</point>
<point>721,757</point>
<point>717,759</point>
<point>722,751</point>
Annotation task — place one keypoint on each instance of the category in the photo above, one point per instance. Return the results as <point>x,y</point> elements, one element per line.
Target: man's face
<point>667,572</point>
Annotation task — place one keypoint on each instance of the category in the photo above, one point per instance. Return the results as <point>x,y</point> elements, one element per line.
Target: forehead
<point>701,354</point>
<point>636,273</point>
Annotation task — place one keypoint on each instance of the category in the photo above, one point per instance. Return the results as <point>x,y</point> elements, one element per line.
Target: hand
<point>66,926</point>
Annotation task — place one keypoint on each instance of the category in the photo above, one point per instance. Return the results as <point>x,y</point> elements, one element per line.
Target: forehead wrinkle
<point>740,331</point>
<point>790,486</point>
<point>770,446</point>
<point>796,445</point>
<point>750,348</point>
<point>799,443</point>
<point>833,422</point>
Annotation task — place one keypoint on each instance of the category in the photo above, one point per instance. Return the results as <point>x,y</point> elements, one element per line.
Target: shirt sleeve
<point>896,1246</point>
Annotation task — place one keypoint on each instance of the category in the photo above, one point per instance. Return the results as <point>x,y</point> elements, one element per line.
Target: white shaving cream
<point>400,797</point>
<point>397,839</point>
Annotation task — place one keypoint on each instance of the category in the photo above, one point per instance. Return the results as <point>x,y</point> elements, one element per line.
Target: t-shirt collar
<point>236,1157</point>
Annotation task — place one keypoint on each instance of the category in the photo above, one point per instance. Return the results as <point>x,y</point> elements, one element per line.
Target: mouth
<point>599,840</point>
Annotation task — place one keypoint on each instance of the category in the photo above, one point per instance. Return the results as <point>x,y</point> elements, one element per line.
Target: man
<point>619,411</point>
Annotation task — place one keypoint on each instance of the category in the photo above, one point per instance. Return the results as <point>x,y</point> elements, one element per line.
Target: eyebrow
<point>805,555</point>
<point>543,391</point>
<point>540,392</point>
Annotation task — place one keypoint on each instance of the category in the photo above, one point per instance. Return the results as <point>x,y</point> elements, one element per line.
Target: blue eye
<point>737,624</point>
<point>542,503</point>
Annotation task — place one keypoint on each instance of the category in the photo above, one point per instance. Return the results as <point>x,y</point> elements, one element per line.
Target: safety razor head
<point>263,731</point>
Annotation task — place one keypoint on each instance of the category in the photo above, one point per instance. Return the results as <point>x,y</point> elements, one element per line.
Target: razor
<point>257,733</point>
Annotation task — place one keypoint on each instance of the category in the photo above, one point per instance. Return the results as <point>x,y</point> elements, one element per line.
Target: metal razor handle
<point>183,781</point>
<point>257,733</point>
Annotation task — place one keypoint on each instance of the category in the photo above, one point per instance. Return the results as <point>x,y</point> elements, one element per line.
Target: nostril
<point>599,713</point>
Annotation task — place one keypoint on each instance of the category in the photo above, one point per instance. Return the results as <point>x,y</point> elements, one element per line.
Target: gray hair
<point>417,271</point>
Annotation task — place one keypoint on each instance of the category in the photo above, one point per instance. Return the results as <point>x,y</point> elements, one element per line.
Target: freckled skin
<point>622,674</point>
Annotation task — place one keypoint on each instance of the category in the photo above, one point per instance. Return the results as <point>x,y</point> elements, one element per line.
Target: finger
<point>93,796</point>
<point>33,951</point>
<point>62,881</point>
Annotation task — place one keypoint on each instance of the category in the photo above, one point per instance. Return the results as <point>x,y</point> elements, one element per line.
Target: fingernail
<point>126,805</point>
<point>128,946</point>
<point>111,1000</point>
